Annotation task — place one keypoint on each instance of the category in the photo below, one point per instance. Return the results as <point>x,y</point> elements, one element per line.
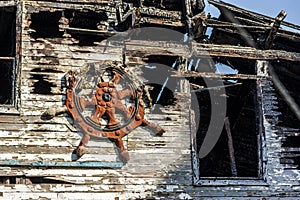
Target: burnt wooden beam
<point>273,32</point>
<point>190,74</point>
<point>230,147</point>
<point>217,23</point>
<point>92,31</point>
<point>202,88</point>
<point>199,25</point>
<point>243,52</point>
<point>295,37</point>
<point>161,21</point>
<point>188,16</point>
<point>249,13</point>
<point>84,2</point>
<point>143,47</point>
<point>156,12</point>
<point>250,21</point>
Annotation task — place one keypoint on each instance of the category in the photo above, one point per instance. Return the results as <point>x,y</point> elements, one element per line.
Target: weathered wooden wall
<point>31,146</point>
<point>160,167</point>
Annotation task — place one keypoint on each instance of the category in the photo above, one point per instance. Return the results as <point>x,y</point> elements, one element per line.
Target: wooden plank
<point>31,6</point>
<point>64,157</point>
<point>243,52</point>
<point>77,189</point>
<point>7,3</point>
<point>231,149</point>
<point>33,142</point>
<point>143,48</point>
<point>160,21</point>
<point>216,75</point>
<point>273,32</point>
<point>48,99</point>
<point>157,12</point>
<point>61,164</point>
<point>100,149</point>
<point>221,24</point>
<point>79,60</point>
<point>58,46</point>
<point>7,58</point>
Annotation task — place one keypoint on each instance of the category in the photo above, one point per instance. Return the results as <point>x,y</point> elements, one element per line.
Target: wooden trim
<point>7,58</point>
<point>7,3</point>
<point>234,181</point>
<point>97,164</point>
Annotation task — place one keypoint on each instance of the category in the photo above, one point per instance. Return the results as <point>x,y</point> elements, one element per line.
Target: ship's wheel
<point>110,107</point>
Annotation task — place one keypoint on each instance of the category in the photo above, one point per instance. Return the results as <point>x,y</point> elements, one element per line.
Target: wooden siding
<point>35,154</point>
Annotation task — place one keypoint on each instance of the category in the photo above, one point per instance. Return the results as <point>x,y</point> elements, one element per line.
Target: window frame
<point>13,107</point>
<point>261,179</point>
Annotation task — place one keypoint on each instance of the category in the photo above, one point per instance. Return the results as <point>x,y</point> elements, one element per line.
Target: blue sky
<point>268,7</point>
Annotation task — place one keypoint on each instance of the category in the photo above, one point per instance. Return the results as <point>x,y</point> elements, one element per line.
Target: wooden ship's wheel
<point>112,110</point>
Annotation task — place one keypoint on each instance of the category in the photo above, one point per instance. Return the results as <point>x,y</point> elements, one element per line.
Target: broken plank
<point>215,75</point>
<point>243,52</point>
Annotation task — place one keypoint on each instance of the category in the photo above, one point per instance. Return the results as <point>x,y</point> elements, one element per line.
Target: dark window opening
<point>7,31</point>
<point>6,81</point>
<point>85,19</point>
<point>243,66</point>
<point>241,113</point>
<point>159,80</point>
<point>160,35</point>
<point>166,96</point>
<point>7,53</point>
<point>45,24</point>
<point>163,59</point>
<point>82,22</point>
<point>87,39</point>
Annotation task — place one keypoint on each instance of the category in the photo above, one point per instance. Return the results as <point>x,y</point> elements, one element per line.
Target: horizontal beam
<point>7,58</point>
<point>203,50</point>
<point>90,31</point>
<point>7,3</point>
<point>217,23</point>
<point>190,74</point>
<point>96,164</point>
<point>243,52</point>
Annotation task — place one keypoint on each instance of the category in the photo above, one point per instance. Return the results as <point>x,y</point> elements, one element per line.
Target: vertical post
<point>188,14</point>
<point>231,149</point>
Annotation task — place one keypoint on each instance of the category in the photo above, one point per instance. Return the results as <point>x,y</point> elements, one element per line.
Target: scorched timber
<point>182,49</point>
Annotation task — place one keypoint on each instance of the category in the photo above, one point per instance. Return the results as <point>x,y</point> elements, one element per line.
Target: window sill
<point>231,182</point>
<point>9,110</point>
